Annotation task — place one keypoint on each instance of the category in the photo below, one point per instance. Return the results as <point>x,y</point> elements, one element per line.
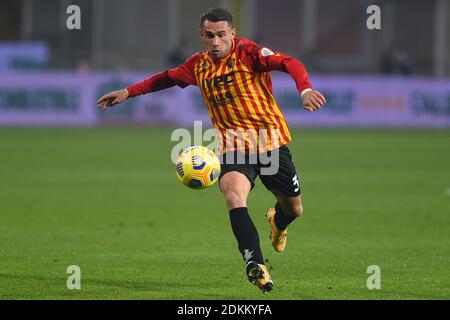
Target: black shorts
<point>275,169</point>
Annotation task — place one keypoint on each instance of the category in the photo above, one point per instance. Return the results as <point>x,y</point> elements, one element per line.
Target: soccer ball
<point>198,167</point>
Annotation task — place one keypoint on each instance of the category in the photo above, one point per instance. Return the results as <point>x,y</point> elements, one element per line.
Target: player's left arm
<point>313,100</point>
<point>267,60</point>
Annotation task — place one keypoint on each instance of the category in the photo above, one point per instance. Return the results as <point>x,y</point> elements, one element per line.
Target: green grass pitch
<point>108,200</point>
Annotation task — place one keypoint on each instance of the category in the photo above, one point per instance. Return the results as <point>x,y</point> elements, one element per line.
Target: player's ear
<point>233,32</point>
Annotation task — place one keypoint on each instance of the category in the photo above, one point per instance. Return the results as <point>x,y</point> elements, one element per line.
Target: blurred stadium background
<point>329,37</point>
<point>97,189</point>
<point>396,76</point>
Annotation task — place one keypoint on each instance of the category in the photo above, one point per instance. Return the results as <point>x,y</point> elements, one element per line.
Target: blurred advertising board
<point>55,98</point>
<point>23,56</point>
<point>46,99</point>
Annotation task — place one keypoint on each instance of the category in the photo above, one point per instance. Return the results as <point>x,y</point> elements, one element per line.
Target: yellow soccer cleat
<point>259,276</point>
<point>278,237</point>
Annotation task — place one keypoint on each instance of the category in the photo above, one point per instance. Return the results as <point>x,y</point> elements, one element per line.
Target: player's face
<point>217,37</point>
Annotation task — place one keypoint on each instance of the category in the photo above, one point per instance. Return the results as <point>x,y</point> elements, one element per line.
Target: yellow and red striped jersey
<point>237,91</point>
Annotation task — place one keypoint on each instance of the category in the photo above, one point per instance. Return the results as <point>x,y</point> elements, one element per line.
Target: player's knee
<point>235,199</point>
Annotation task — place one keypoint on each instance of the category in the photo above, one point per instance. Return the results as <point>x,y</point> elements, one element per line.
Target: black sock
<point>282,220</point>
<point>246,235</point>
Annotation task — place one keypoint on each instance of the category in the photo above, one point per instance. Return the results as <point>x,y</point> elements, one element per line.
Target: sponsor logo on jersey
<point>219,81</point>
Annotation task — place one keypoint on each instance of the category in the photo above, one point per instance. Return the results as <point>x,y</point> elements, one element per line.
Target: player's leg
<point>285,186</point>
<point>236,186</point>
<point>288,208</point>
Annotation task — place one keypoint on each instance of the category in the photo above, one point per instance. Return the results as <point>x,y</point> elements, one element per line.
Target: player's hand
<point>313,100</point>
<point>112,98</point>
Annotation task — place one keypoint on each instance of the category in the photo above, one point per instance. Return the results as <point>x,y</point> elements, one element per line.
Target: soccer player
<point>233,75</point>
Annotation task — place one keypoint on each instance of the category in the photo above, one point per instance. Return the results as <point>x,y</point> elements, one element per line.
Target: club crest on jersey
<point>205,65</point>
<point>266,52</point>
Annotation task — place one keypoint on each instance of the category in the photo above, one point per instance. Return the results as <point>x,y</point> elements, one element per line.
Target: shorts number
<point>295,183</point>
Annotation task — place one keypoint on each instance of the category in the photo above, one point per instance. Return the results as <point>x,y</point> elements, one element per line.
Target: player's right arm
<point>183,75</point>
<point>112,98</point>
